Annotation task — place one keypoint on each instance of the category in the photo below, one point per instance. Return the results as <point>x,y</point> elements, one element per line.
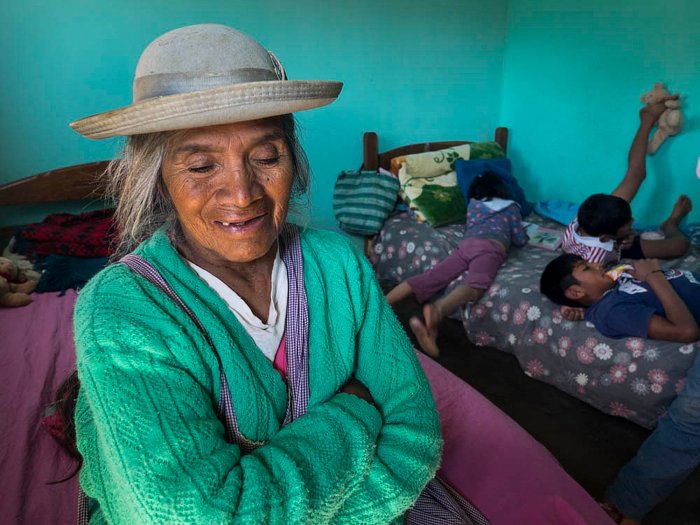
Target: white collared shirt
<point>591,249</point>
<point>267,336</point>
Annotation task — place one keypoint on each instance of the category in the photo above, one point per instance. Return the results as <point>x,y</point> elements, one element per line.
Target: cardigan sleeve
<point>153,446</point>
<point>409,445</point>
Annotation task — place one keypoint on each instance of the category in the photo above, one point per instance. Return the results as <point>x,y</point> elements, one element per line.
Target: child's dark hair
<point>487,186</point>
<point>63,429</point>
<point>603,214</point>
<point>557,276</point>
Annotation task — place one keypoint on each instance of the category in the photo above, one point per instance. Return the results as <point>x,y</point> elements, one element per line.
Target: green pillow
<point>485,150</point>
<point>437,200</point>
<point>429,184</point>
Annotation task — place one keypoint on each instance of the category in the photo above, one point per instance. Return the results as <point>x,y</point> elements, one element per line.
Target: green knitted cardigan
<point>146,422</point>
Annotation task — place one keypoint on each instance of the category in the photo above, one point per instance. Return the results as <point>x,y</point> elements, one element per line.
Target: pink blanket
<point>37,355</point>
<point>508,475</point>
<point>498,466</point>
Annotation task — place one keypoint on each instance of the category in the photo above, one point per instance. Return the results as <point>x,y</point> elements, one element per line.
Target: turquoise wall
<point>573,75</point>
<point>564,75</point>
<point>412,71</point>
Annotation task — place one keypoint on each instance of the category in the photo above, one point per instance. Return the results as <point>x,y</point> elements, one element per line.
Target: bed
<point>632,378</point>
<point>38,354</point>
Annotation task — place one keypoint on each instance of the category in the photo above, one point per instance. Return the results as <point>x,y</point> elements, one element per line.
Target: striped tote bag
<point>362,200</point>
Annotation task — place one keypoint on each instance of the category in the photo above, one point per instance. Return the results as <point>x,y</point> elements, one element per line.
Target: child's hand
<point>643,268</point>
<point>652,112</point>
<point>571,313</point>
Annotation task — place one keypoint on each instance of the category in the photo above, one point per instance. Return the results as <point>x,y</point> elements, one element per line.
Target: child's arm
<point>678,323</point>
<point>518,234</point>
<point>636,158</point>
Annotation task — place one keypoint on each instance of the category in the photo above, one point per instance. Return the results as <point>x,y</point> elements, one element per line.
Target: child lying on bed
<point>493,224</point>
<point>644,302</point>
<point>602,230</point>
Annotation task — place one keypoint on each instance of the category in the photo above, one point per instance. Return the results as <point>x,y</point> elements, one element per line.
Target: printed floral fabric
<point>630,377</point>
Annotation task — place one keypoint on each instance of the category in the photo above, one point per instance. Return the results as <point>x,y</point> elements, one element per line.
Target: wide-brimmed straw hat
<point>203,75</point>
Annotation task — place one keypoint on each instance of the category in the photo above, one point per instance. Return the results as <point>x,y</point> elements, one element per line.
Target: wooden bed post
<point>370,151</point>
<point>501,137</point>
<point>370,161</point>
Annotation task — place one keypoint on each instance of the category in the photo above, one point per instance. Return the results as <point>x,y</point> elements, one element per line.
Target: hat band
<point>165,84</point>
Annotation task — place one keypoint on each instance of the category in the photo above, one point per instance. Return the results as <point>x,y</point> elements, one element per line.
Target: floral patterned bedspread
<point>630,377</point>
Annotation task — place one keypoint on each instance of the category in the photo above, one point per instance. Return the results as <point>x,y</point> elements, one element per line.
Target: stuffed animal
<point>14,285</point>
<point>670,121</point>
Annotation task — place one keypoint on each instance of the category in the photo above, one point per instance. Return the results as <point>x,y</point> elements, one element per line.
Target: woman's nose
<point>238,186</point>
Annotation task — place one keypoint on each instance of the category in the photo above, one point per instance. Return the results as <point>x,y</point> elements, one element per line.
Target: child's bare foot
<point>425,339</point>
<point>680,209</point>
<point>432,316</point>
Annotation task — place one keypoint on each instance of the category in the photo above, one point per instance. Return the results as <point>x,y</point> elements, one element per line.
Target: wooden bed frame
<point>64,184</point>
<point>72,183</point>
<point>372,159</point>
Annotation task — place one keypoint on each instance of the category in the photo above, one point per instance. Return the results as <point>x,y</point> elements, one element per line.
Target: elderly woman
<point>238,368</point>
<point>265,379</point>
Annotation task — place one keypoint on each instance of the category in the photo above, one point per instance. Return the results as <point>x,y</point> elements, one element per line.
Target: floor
<point>591,445</point>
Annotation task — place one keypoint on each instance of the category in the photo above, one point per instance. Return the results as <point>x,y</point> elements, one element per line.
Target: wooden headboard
<point>372,159</point>
<point>72,183</point>
<point>64,184</point>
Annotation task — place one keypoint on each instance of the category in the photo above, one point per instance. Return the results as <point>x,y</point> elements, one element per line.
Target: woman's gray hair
<point>142,202</point>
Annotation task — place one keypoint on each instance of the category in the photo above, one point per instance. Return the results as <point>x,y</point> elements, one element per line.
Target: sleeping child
<point>493,224</point>
<point>644,301</point>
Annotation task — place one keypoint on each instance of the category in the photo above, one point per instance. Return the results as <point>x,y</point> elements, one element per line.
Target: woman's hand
<point>356,388</point>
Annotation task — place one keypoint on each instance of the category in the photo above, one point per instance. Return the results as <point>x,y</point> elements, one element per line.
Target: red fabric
<point>89,234</point>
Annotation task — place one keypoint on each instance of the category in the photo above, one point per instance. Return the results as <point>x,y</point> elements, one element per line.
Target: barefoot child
<point>493,224</point>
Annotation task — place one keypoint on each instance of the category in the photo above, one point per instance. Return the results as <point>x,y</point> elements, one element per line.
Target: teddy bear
<point>670,122</point>
<point>15,287</point>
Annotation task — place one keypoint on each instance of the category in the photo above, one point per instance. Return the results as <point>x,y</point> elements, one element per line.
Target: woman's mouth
<point>242,225</point>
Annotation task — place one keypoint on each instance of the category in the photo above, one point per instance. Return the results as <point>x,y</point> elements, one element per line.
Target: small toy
<point>616,271</point>
<point>14,285</point>
<point>670,122</point>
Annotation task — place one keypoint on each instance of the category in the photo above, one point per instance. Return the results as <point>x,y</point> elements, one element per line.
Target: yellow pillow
<point>434,163</point>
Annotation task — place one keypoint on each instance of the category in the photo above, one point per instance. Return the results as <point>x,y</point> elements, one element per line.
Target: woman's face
<point>230,185</point>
